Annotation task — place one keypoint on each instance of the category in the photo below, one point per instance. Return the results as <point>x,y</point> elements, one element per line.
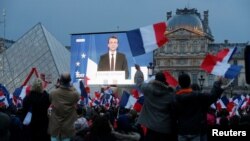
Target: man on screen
<point>113,60</point>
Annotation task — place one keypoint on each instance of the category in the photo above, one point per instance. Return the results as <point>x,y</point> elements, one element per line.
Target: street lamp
<point>201,81</point>
<point>150,69</point>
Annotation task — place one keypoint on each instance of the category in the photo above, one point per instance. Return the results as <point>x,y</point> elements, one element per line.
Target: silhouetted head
<point>137,67</point>
<point>65,79</point>
<point>161,77</point>
<point>184,80</point>
<point>37,85</point>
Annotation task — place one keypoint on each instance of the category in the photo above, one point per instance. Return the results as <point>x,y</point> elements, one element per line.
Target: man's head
<point>65,79</point>
<point>184,80</point>
<point>113,43</point>
<point>159,76</point>
<point>137,67</point>
<point>37,85</point>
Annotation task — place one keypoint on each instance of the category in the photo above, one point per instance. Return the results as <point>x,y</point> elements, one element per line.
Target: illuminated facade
<point>190,39</point>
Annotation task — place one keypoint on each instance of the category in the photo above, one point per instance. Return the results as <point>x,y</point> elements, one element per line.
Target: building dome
<point>185,18</point>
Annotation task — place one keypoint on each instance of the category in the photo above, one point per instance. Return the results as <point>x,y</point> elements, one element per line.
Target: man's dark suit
<point>120,63</point>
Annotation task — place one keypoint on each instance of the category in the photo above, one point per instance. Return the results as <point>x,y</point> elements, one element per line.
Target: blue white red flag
<point>19,94</point>
<point>4,97</point>
<point>127,100</point>
<point>147,39</point>
<point>211,65</point>
<point>139,103</point>
<point>226,54</point>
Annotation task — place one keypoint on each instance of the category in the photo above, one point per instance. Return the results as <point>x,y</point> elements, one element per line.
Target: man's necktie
<point>112,62</point>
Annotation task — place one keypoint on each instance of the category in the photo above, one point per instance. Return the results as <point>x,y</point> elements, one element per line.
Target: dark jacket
<point>192,108</point>
<point>4,126</point>
<point>157,112</point>
<point>39,103</point>
<point>120,63</point>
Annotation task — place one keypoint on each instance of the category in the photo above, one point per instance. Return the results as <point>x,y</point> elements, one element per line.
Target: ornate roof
<point>189,19</point>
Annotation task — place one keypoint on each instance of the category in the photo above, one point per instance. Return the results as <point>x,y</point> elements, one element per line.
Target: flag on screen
<point>147,39</point>
<point>247,63</point>
<point>83,58</point>
<point>211,65</point>
<point>226,54</point>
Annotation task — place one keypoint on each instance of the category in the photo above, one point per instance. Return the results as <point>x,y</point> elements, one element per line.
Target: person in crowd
<point>4,125</point>
<point>195,87</point>
<point>157,113</point>
<point>63,114</point>
<point>81,123</point>
<point>37,102</point>
<point>244,123</point>
<point>100,130</point>
<point>113,60</point>
<point>139,77</point>
<point>191,107</point>
<point>125,130</point>
<point>234,122</point>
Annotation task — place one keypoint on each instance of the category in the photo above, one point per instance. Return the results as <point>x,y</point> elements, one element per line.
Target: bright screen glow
<point>86,50</point>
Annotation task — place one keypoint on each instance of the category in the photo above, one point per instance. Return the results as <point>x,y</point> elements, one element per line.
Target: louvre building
<point>35,49</point>
<point>190,39</point>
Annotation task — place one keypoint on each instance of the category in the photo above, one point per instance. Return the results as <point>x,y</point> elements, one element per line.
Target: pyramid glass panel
<point>35,49</point>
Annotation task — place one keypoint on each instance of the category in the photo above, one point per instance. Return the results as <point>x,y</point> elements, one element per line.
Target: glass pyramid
<point>35,49</point>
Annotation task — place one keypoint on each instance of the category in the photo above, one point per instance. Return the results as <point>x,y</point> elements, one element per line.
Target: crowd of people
<point>167,114</point>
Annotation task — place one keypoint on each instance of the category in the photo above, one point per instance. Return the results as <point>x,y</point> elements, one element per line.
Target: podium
<point>110,78</point>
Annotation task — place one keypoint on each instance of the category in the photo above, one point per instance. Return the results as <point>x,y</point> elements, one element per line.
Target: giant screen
<point>87,48</point>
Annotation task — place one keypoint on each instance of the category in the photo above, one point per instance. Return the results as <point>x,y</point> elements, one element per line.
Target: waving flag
<point>211,65</point>
<point>222,103</point>
<point>147,39</point>
<point>4,97</point>
<point>19,94</point>
<point>127,100</point>
<point>83,57</point>
<point>170,79</point>
<point>139,103</point>
<point>225,54</point>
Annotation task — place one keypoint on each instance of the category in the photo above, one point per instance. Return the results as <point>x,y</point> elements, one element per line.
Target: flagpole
<point>134,60</point>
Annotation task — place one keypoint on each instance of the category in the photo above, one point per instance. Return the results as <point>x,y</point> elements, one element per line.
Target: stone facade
<point>190,39</point>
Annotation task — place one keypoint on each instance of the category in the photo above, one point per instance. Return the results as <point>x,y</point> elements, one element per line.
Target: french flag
<point>211,65</point>
<point>5,99</point>
<point>147,39</point>
<point>170,79</point>
<point>139,103</point>
<point>222,103</point>
<point>127,100</point>
<point>226,54</point>
<point>19,94</point>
